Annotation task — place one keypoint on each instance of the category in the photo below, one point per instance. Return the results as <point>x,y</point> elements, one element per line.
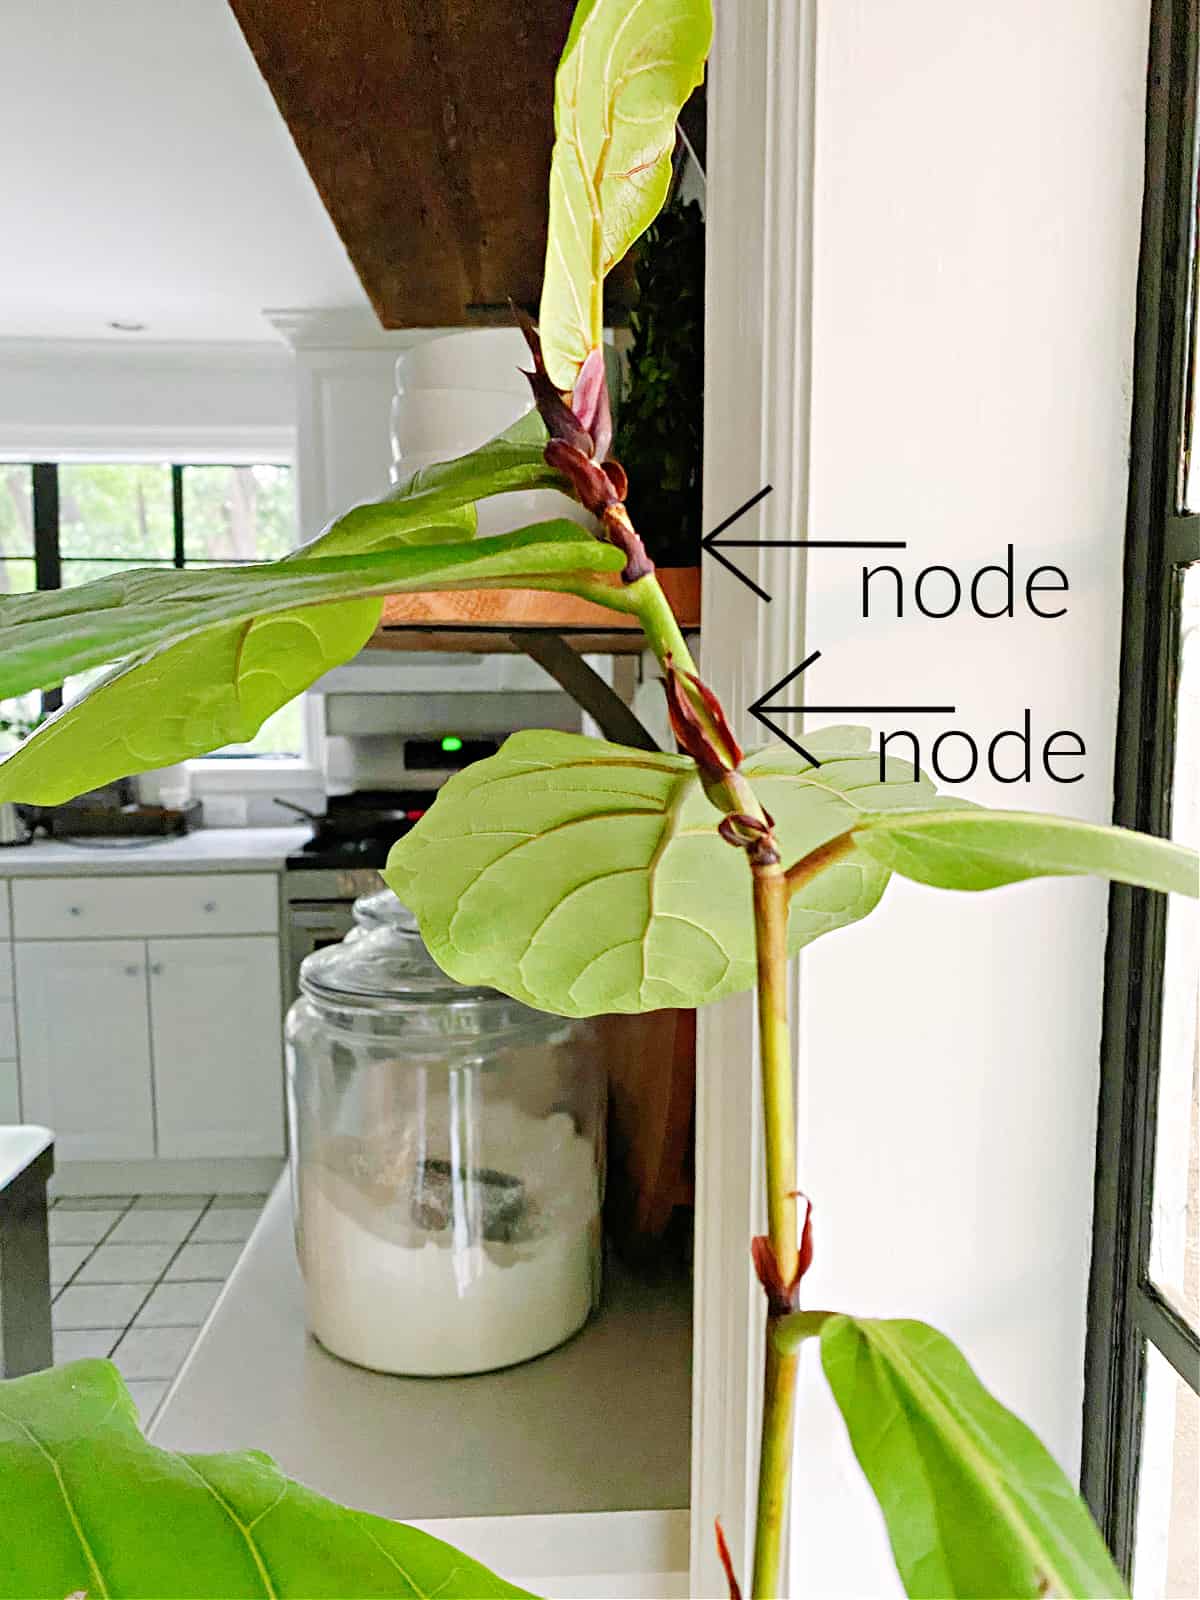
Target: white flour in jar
<point>383,1292</point>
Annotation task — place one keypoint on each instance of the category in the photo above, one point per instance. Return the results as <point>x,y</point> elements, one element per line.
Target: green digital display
<point>451,743</point>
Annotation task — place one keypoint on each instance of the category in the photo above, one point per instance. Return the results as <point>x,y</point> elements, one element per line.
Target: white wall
<point>61,398</point>
<point>977,197</point>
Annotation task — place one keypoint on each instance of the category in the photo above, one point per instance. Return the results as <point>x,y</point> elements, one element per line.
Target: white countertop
<point>206,850</point>
<point>602,1424</point>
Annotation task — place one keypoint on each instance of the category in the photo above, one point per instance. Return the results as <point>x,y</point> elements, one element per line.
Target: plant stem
<point>779,1119</point>
<point>659,624</point>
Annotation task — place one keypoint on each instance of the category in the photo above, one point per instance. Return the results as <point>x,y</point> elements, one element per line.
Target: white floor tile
<point>76,1344</point>
<point>178,1305</point>
<point>147,1396</point>
<point>154,1227</point>
<point>80,1227</point>
<point>98,1305</point>
<point>203,1261</point>
<point>238,1202</point>
<point>127,1263</point>
<point>153,1352</point>
<point>92,1202</point>
<point>171,1202</point>
<point>66,1259</point>
<point>228,1224</point>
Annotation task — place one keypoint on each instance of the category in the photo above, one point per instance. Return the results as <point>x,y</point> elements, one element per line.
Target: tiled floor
<point>134,1277</point>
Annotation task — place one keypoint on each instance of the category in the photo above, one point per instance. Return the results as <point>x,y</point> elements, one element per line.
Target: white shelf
<point>599,1426</point>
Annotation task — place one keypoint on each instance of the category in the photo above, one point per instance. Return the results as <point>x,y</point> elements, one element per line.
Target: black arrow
<point>760,708</point>
<point>709,543</point>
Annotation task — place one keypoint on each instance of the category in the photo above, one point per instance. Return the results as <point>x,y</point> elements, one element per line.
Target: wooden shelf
<point>483,620</point>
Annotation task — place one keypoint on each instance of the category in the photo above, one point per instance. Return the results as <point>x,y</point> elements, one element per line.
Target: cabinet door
<point>85,1046</point>
<point>217,1028</point>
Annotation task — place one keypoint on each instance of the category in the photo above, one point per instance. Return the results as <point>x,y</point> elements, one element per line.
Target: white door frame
<point>758,370</point>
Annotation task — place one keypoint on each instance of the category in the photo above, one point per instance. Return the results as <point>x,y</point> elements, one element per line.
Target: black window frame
<point>1126,1310</point>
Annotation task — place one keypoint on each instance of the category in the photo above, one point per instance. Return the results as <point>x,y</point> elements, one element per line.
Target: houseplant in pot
<point>578,876</point>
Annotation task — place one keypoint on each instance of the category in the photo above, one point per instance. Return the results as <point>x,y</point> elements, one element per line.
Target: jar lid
<point>384,967</point>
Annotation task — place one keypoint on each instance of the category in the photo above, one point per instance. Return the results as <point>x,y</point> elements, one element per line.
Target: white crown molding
<point>758,372</point>
<point>265,355</point>
<point>138,441</point>
<point>341,328</point>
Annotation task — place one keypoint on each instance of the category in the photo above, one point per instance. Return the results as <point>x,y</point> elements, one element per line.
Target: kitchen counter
<point>572,1465</point>
<point>206,850</point>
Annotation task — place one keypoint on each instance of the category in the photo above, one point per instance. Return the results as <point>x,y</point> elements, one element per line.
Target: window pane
<point>18,574</point>
<point>1175,1230</point>
<point>238,513</point>
<point>18,717</point>
<point>116,509</point>
<point>281,735</point>
<point>1166,1561</point>
<point>16,528</point>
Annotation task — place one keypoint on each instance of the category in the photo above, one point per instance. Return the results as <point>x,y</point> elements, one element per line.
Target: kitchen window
<point>68,523</point>
<point>1142,1416</point>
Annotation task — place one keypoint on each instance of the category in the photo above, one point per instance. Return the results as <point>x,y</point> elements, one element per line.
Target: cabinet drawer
<point>133,907</point>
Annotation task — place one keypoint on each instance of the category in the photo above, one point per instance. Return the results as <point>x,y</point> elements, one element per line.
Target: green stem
<point>658,623</point>
<point>779,1120</point>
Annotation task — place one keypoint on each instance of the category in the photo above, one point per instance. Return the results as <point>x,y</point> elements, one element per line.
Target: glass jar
<point>447,1159</point>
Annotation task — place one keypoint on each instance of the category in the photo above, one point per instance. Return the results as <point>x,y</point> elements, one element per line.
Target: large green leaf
<point>626,70</point>
<point>220,686</point>
<point>219,650</point>
<point>584,877</point>
<point>90,1507</point>
<point>977,849</point>
<point>974,1504</point>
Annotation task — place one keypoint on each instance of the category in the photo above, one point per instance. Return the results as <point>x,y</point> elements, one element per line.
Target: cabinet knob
<point>156,969</point>
<point>132,970</point>
<point>75,911</point>
<point>210,905</point>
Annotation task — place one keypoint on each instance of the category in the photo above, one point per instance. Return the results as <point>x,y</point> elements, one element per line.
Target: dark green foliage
<point>660,432</point>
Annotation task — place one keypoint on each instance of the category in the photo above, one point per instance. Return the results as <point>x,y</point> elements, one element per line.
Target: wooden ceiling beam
<point>427,127</point>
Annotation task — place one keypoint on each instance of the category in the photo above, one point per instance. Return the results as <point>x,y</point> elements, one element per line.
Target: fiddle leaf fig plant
<point>581,877</point>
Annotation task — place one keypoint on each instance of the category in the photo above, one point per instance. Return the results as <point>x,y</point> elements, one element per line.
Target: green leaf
<point>626,70</point>
<point>977,849</point>
<point>974,1504</point>
<point>583,877</point>
<point>218,650</point>
<point>218,687</point>
<point>91,1507</point>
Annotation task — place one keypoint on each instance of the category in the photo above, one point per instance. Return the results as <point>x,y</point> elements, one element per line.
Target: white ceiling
<point>147,176</point>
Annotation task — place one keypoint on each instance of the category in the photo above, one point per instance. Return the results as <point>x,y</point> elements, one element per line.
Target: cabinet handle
<point>210,905</point>
<point>156,969</point>
<point>132,970</point>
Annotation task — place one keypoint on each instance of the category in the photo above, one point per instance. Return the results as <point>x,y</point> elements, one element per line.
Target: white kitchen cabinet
<point>215,1008</point>
<point>85,1046</point>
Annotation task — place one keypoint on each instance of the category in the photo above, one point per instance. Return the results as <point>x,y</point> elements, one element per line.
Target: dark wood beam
<point>427,127</point>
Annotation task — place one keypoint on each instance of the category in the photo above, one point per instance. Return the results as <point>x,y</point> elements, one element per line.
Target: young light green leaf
<point>584,877</point>
<point>91,1508</point>
<point>978,849</point>
<point>437,503</point>
<point>975,1505</point>
<point>626,70</point>
<point>220,651</point>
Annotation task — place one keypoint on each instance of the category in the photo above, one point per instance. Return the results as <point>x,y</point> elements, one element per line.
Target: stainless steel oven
<point>319,902</point>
